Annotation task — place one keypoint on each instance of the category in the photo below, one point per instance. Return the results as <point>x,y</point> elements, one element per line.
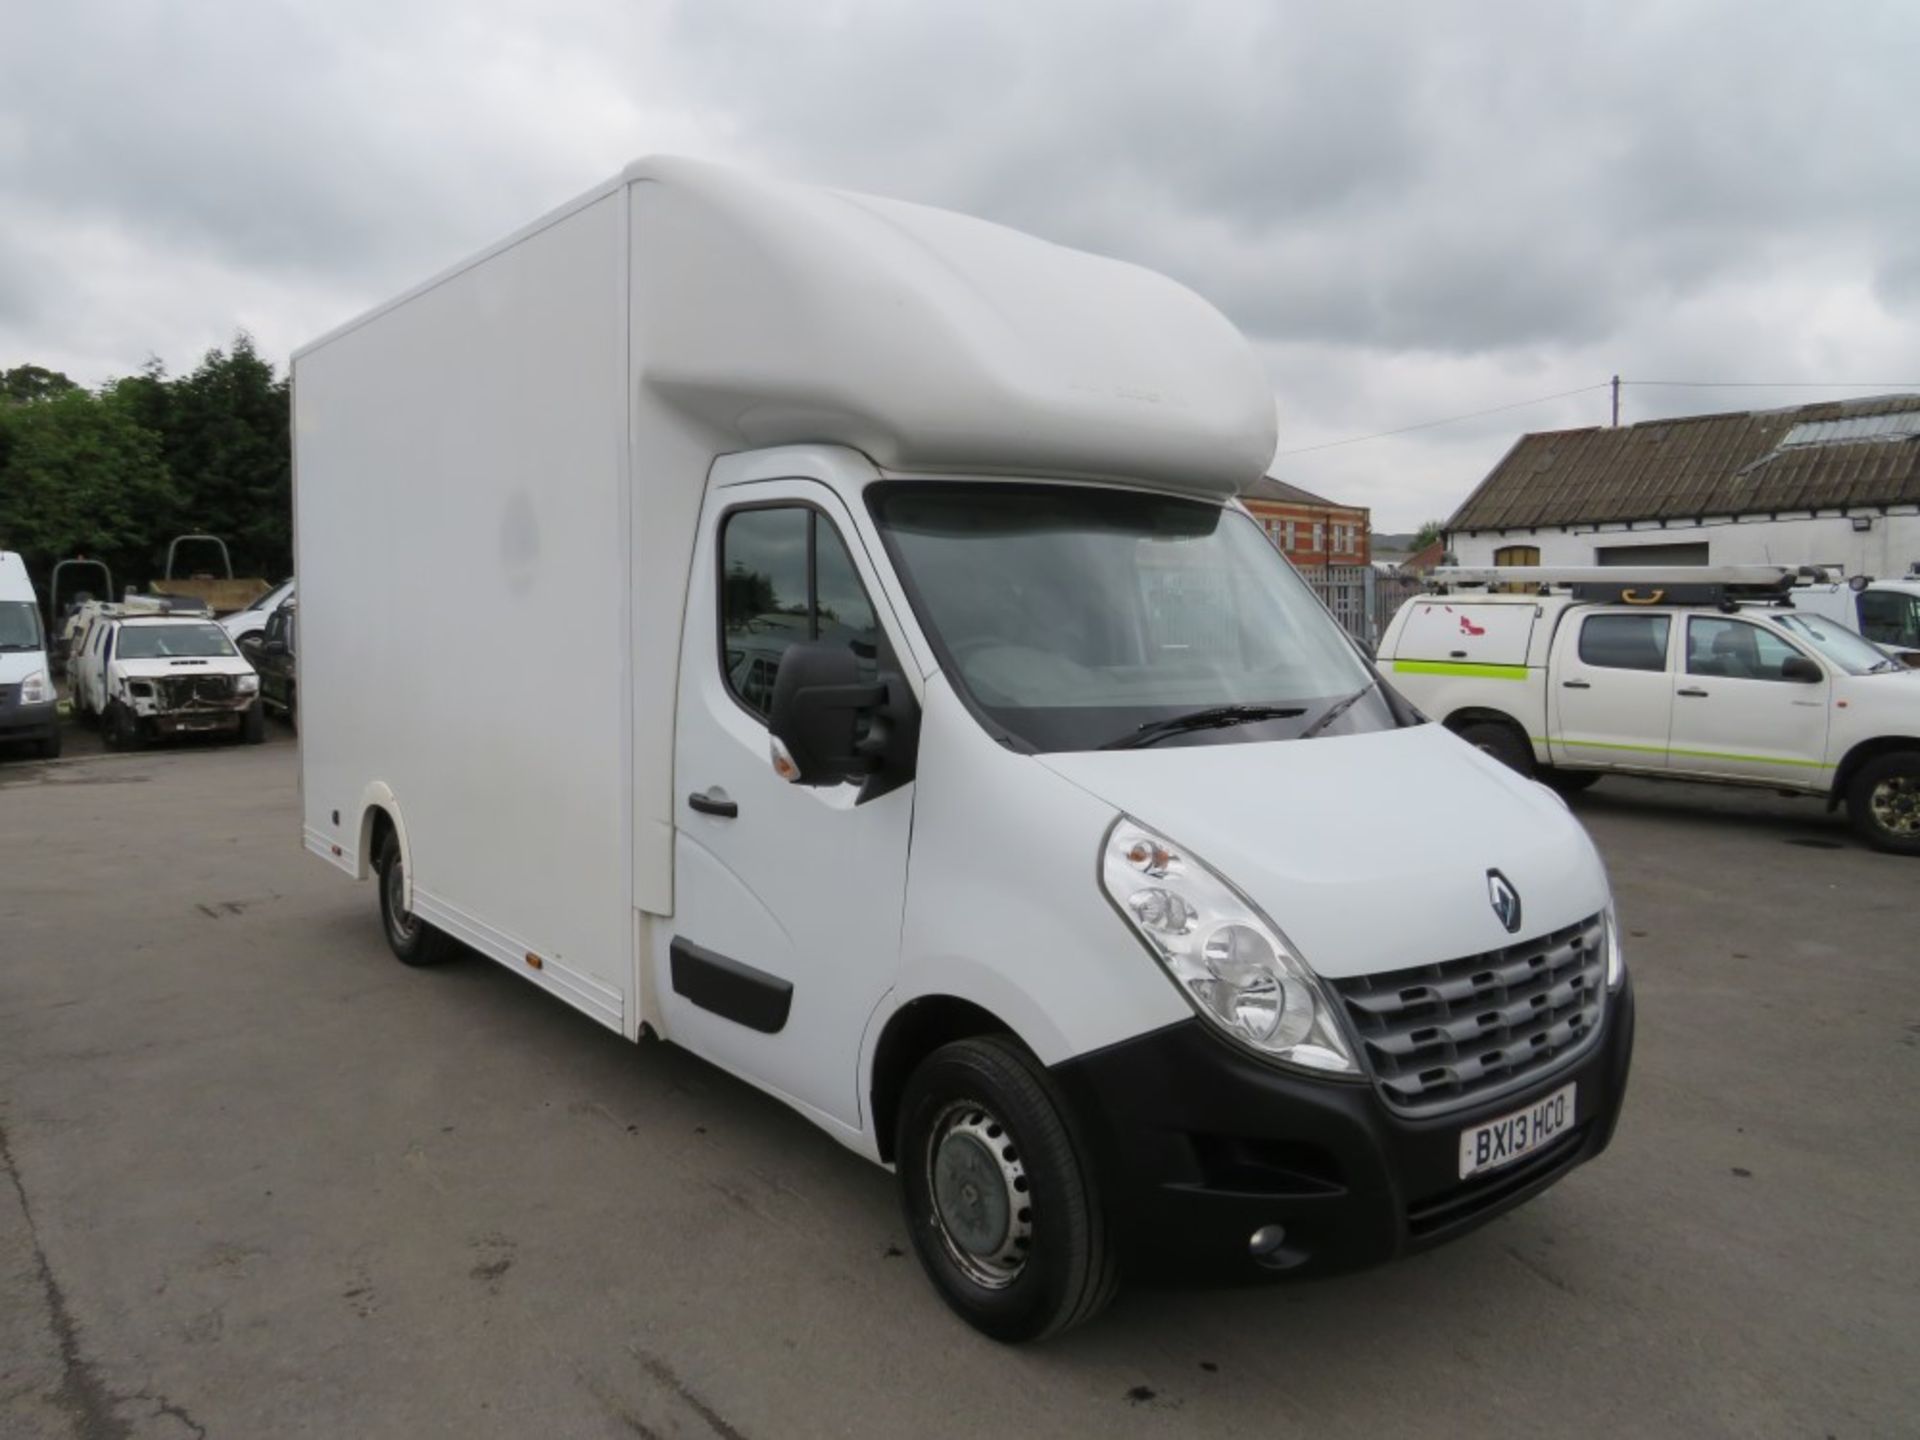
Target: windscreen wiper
<point>1214,717</point>
<point>1336,710</point>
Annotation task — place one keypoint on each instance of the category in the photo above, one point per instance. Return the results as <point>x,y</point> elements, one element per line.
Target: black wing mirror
<point>829,725</point>
<point>1802,670</point>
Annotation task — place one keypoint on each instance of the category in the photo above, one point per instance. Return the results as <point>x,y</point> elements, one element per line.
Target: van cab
<point>947,754</point>
<point>1701,674</point>
<point>28,705</point>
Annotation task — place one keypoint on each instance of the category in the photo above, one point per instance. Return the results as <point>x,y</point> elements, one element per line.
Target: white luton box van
<point>820,632</point>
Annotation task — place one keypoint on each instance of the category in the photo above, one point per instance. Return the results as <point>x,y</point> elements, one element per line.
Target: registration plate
<point>1503,1141</point>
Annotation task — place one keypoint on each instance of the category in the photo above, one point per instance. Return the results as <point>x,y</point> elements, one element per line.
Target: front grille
<point>1439,1036</point>
<point>9,694</point>
<point>180,692</point>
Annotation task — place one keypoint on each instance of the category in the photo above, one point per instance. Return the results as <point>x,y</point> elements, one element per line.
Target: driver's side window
<point>785,577</point>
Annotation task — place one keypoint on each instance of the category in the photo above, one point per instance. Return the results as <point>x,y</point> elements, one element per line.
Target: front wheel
<point>1883,802</point>
<point>412,940</point>
<point>1005,1217</point>
<point>1568,782</point>
<point>122,727</point>
<point>253,723</point>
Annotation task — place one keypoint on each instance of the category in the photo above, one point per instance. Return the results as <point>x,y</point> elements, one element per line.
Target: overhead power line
<point>1446,420</point>
<point>1780,384</point>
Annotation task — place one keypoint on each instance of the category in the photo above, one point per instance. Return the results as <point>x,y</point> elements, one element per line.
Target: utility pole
<point>1616,402</point>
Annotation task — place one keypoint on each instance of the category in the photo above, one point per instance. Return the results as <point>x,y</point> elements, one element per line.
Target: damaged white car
<point>141,677</point>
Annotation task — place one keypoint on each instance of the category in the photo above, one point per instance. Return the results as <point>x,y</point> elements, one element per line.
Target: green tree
<point>26,383</point>
<point>1427,534</point>
<point>225,438</point>
<point>81,475</point>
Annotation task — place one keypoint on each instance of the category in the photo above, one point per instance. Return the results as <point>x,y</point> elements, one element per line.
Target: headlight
<point>1229,960</point>
<point>247,684</point>
<point>36,689</point>
<point>1616,957</point>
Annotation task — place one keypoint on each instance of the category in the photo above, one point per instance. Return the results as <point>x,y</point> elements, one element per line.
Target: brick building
<point>1311,532</point>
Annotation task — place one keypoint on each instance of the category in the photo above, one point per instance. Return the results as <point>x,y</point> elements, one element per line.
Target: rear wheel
<point>412,940</point>
<point>1003,1213</point>
<point>1502,741</point>
<point>1883,802</point>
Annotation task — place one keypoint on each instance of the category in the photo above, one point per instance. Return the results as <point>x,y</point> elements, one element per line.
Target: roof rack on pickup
<point>1632,585</point>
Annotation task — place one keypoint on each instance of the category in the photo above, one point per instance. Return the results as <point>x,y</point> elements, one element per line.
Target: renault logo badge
<point>1504,899</point>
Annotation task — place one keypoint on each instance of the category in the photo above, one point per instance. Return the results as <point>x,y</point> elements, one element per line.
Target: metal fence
<point>1361,598</point>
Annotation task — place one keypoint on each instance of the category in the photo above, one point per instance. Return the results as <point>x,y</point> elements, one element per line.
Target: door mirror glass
<point>821,712</point>
<point>1800,668</point>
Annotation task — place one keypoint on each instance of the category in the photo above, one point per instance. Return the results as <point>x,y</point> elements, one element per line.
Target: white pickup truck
<point>1697,674</point>
<point>141,675</point>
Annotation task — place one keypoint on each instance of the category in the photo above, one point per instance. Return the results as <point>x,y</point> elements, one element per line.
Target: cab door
<point>788,899</point>
<point>1612,691</point>
<point>1737,715</point>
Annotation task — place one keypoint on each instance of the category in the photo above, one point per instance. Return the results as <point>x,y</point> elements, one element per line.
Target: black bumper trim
<point>1196,1145</point>
<point>29,722</point>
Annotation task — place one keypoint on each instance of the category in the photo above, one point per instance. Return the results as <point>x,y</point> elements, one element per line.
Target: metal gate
<point>1361,598</point>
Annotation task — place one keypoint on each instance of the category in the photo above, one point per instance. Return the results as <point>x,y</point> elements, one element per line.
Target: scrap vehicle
<point>250,623</point>
<point>223,593</point>
<point>66,593</point>
<point>271,651</point>
<point>1047,870</point>
<point>28,705</point>
<point>142,672</point>
<point>1689,673</point>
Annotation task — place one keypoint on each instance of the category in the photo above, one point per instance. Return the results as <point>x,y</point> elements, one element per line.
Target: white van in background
<point>947,753</point>
<point>28,705</point>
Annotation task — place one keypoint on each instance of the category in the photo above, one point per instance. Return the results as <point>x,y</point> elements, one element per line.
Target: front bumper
<point>1197,1145</point>
<point>28,722</point>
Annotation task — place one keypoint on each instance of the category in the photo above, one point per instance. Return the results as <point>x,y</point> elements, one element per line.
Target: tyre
<point>1568,782</point>
<point>49,746</point>
<point>122,727</point>
<point>1003,1212</point>
<point>412,940</point>
<point>253,724</point>
<point>1883,802</point>
<point>1500,740</point>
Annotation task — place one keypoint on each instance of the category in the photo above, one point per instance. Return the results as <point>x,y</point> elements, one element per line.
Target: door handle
<point>1456,654</point>
<point>708,803</point>
<point>1692,694</point>
<point>1575,685</point>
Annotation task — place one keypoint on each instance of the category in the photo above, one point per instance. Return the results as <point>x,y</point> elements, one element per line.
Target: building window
<point>1290,536</point>
<point>1319,537</point>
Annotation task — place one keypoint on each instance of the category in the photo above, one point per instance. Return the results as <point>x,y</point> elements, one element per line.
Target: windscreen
<point>172,642</point>
<point>19,625</point>
<point>1073,616</point>
<point>1839,644</point>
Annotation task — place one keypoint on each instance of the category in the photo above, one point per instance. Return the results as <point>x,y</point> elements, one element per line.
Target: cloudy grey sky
<point>1414,211</point>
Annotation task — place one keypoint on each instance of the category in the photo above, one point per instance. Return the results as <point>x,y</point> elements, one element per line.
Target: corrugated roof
<point>1737,463</point>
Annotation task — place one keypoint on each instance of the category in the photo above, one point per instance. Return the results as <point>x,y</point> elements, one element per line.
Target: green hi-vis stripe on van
<point>1566,744</point>
<point>1455,667</point>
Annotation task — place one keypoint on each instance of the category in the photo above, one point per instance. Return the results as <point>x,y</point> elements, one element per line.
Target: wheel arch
<point>911,1033</point>
<point>1859,755</point>
<point>380,812</point>
<point>1466,715</point>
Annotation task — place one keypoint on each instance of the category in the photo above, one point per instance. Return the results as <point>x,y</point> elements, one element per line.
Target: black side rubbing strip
<point>738,992</point>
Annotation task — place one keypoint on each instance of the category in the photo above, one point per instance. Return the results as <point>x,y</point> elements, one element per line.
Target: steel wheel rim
<point>399,918</point>
<point>981,1201</point>
<point>1895,804</point>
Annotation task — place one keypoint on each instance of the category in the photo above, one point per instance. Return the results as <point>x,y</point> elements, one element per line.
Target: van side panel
<point>461,549</point>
